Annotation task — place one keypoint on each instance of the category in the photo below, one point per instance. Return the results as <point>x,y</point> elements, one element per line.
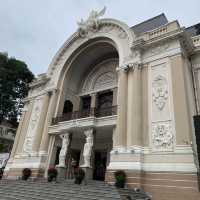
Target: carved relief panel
<point>35,115</point>
<point>103,76</point>
<point>161,108</point>
<point>162,136</point>
<point>160,91</point>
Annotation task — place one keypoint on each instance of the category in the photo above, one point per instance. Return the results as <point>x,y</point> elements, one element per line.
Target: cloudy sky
<point>33,30</point>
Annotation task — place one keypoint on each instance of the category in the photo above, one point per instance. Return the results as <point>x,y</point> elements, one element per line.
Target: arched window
<point>104,106</point>
<point>68,107</point>
<point>105,100</point>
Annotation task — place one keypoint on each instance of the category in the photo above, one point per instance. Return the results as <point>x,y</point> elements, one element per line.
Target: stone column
<point>19,138</point>
<point>114,103</point>
<point>93,102</point>
<point>50,161</point>
<point>63,153</point>
<point>134,127</point>
<point>87,154</point>
<point>119,139</point>
<point>41,122</point>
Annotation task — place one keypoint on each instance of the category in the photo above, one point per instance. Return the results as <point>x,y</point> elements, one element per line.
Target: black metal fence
<point>95,112</point>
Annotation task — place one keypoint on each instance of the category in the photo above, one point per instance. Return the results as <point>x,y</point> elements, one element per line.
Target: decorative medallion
<point>160,92</point>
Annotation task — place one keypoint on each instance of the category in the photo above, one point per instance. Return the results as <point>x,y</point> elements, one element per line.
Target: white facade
<point>150,79</point>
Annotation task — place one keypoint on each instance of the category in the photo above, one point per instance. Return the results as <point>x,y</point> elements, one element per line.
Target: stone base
<point>61,172</point>
<point>17,173</point>
<point>162,185</point>
<point>88,174</point>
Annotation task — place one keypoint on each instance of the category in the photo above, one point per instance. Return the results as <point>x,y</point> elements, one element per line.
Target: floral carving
<point>160,91</point>
<point>162,137</point>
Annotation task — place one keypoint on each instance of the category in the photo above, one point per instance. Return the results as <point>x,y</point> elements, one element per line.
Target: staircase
<point>64,190</point>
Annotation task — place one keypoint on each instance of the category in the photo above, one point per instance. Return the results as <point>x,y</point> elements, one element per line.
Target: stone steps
<point>63,190</point>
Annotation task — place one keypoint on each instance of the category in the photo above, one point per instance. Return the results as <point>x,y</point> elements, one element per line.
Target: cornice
<point>41,80</point>
<point>162,34</point>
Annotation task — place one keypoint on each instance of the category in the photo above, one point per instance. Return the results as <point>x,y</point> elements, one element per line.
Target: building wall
<point>153,134</point>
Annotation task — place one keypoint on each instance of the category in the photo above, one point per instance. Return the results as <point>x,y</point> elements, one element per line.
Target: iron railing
<point>95,112</point>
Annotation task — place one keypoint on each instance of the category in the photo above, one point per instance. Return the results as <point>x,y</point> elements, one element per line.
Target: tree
<point>14,79</point>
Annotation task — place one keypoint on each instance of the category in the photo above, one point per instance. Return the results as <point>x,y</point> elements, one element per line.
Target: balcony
<point>92,112</point>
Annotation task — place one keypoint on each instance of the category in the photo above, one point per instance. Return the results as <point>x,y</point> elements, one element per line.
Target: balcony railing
<point>92,112</point>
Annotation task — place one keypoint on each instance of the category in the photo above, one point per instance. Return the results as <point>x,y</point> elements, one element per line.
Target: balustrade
<point>95,112</point>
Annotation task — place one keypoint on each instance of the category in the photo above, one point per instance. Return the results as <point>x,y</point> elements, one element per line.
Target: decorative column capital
<point>89,132</point>
<point>130,65</point>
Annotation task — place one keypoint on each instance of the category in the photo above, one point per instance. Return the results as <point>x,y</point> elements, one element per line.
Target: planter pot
<point>50,179</point>
<point>78,180</point>
<point>120,184</point>
<point>79,176</point>
<point>25,178</point>
<point>26,173</point>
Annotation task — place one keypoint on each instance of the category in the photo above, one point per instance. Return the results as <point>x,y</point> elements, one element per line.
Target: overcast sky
<point>33,30</point>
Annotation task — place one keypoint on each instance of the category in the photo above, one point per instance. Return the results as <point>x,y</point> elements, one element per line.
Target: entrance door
<point>100,160</point>
<point>74,155</point>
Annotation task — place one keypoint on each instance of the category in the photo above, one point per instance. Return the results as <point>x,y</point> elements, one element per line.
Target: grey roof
<point>193,30</point>
<point>150,24</point>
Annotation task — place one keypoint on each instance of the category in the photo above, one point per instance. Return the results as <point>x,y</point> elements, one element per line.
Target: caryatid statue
<point>87,151</point>
<point>63,152</point>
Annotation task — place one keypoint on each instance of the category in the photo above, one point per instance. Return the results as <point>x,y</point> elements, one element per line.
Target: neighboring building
<point>117,97</point>
<point>7,136</point>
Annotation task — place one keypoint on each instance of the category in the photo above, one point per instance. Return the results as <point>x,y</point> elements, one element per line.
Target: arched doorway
<point>68,109</point>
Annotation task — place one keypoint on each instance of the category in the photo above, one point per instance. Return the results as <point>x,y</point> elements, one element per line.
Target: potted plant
<point>120,179</point>
<point>79,175</point>
<point>52,174</point>
<point>1,173</point>
<point>26,173</point>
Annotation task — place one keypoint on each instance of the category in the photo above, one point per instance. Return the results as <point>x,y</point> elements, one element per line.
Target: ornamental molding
<point>28,144</point>
<point>162,136</point>
<point>130,66</point>
<point>113,29</point>
<point>102,76</point>
<point>159,48</point>
<point>105,26</point>
<point>160,92</point>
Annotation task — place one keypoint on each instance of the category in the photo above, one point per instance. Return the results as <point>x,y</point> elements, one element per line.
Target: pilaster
<point>19,130</point>
<point>134,114</point>
<point>45,136</point>
<point>40,127</point>
<point>120,134</point>
<point>24,127</point>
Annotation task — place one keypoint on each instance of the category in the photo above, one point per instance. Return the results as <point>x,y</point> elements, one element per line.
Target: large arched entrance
<point>89,91</point>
